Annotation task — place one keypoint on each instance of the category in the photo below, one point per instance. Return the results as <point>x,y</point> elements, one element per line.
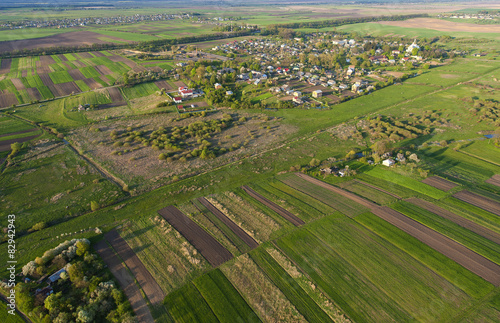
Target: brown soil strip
<point>46,79</point>
<point>230,224</point>
<point>5,65</point>
<point>67,88</point>
<point>18,132</point>
<point>42,69</point>
<point>126,282</point>
<point>180,84</point>
<point>472,226</point>
<point>439,183</point>
<point>494,180</point>
<point>349,195</point>
<point>378,189</point>
<point>443,25</point>
<point>34,93</point>
<point>163,85</point>
<point>98,54</point>
<point>92,84</point>
<point>117,58</point>
<point>5,145</point>
<point>55,91</point>
<point>479,201</point>
<point>62,57</point>
<point>293,219</point>
<point>448,247</point>
<point>18,84</point>
<point>115,95</point>
<point>85,55</point>
<point>46,60</point>
<point>105,79</point>
<point>8,99</point>
<point>24,73</point>
<point>76,74</point>
<point>78,64</point>
<point>103,70</point>
<point>148,284</point>
<point>211,249</point>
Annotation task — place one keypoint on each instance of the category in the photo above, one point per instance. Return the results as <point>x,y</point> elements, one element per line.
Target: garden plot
<point>479,201</point>
<point>468,224</point>
<point>8,99</point>
<point>494,180</point>
<point>143,276</point>
<point>5,65</point>
<point>370,192</point>
<point>439,183</point>
<point>76,74</point>
<point>34,93</point>
<point>210,248</point>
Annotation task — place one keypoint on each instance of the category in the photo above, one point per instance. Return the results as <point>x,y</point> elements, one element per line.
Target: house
<point>317,94</point>
<point>297,100</point>
<point>185,92</point>
<point>229,93</point>
<point>177,99</point>
<point>388,162</point>
<point>412,47</point>
<point>217,86</point>
<point>297,93</point>
<point>56,276</point>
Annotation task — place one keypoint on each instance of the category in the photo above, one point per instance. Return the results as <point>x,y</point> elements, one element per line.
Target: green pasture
<point>9,318</point>
<point>394,177</point>
<point>60,77</point>
<point>89,72</point>
<point>140,90</point>
<point>469,239</point>
<point>367,192</point>
<point>224,300</point>
<point>65,186</point>
<point>131,36</point>
<point>465,280</point>
<point>389,186</point>
<point>10,125</point>
<point>29,33</point>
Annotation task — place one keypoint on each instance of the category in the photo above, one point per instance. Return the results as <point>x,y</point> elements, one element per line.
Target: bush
<point>94,206</point>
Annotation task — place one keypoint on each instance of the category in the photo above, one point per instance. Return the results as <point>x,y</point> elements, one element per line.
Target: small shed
<point>317,94</point>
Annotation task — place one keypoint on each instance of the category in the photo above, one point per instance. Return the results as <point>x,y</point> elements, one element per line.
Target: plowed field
<point>209,248</point>
<point>230,224</point>
<point>494,180</point>
<point>439,183</point>
<point>5,66</point>
<point>76,74</point>
<point>479,201</point>
<point>8,99</point>
<point>273,206</point>
<point>143,276</point>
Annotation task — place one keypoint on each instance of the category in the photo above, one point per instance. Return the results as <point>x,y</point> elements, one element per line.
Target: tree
<point>94,206</point>
<point>82,247</point>
<point>314,162</point>
<point>380,147</point>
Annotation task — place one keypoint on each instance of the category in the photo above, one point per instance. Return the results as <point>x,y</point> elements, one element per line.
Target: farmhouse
<point>388,162</point>
<point>185,92</point>
<point>177,99</point>
<point>55,276</point>
<point>217,86</point>
<point>317,94</point>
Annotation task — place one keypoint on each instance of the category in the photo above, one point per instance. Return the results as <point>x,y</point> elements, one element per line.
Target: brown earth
<point>42,69</point>
<point>24,73</point>
<point>92,84</point>
<point>472,226</point>
<point>66,88</point>
<point>46,79</point>
<point>76,74</point>
<point>34,93</point>
<point>18,132</point>
<point>117,58</point>
<point>378,189</point>
<point>68,67</point>
<point>439,183</point>
<point>209,248</point>
<point>62,57</point>
<point>148,284</point>
<point>479,201</point>
<point>115,95</point>
<point>85,55</point>
<point>273,206</point>
<point>5,65</point>
<point>75,38</point>
<point>179,84</point>
<point>98,54</point>
<point>18,84</point>
<point>230,224</point>
<point>5,145</point>
<point>163,85</point>
<point>105,79</point>
<point>103,70</point>
<point>494,180</point>
<point>8,99</point>
<point>448,247</point>
<point>126,282</point>
<point>46,60</point>
<point>443,25</point>
<point>78,64</point>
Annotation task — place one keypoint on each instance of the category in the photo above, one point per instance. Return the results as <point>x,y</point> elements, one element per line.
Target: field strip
<point>230,224</point>
<point>479,201</point>
<point>211,249</point>
<point>378,189</point>
<point>273,206</point>
<point>439,183</point>
<point>5,145</point>
<point>18,132</point>
<point>126,282</point>
<point>339,191</point>
<point>468,224</point>
<point>494,180</point>
<point>148,284</point>
<point>448,247</point>
<point>483,159</point>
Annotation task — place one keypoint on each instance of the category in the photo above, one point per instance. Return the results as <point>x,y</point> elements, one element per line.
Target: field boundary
<point>378,189</point>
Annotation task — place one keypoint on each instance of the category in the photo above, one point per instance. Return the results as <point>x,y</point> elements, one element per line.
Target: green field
<point>368,192</point>
<point>187,305</point>
<point>140,90</point>
<point>8,318</point>
<point>9,125</point>
<point>224,300</point>
<point>60,77</point>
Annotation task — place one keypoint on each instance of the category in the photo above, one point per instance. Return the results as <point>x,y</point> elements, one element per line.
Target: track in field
<point>479,201</point>
<point>148,284</point>
<point>126,282</point>
<point>439,183</point>
<point>230,224</point>
<point>211,249</point>
<point>293,219</point>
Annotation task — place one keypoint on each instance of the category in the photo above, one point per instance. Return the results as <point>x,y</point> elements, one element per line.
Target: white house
<point>388,162</point>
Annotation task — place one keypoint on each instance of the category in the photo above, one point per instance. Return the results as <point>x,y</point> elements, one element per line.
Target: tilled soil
<point>479,201</point>
<point>211,249</point>
<point>494,180</point>
<point>439,183</point>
